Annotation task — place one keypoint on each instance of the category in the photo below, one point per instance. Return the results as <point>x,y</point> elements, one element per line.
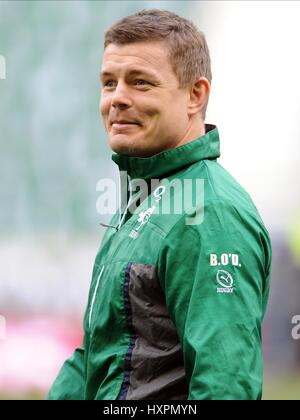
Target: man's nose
<point>121,97</point>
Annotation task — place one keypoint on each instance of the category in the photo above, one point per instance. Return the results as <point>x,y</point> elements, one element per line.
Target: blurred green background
<point>53,150</point>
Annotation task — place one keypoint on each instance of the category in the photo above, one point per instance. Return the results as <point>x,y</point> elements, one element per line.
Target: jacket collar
<point>171,160</point>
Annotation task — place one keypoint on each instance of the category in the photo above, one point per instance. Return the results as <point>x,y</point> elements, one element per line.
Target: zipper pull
<point>109,226</point>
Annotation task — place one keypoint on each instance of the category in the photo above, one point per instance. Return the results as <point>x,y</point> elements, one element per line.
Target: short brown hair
<point>188,50</point>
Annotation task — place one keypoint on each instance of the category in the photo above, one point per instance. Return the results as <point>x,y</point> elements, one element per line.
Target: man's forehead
<point>138,46</point>
<point>142,53</point>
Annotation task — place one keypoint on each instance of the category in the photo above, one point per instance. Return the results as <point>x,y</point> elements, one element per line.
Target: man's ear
<point>199,93</point>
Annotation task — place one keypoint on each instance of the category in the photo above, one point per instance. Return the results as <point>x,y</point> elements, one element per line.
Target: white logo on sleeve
<point>226,281</point>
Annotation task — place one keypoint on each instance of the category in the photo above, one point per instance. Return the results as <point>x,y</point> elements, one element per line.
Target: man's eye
<point>141,82</point>
<point>109,83</point>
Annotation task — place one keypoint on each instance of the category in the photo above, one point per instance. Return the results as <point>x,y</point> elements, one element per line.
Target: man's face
<point>143,109</point>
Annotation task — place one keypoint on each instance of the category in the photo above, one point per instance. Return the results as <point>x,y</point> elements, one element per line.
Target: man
<point>177,298</point>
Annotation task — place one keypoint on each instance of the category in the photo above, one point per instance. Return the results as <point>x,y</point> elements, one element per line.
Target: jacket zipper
<point>94,297</point>
<point>121,218</point>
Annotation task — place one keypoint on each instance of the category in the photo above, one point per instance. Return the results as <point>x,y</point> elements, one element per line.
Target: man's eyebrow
<point>133,72</point>
<point>140,71</point>
<point>104,74</point>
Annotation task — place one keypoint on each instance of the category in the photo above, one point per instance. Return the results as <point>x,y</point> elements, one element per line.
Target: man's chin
<point>127,148</point>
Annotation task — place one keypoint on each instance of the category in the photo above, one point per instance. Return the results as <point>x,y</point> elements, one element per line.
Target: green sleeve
<point>69,384</point>
<point>219,329</point>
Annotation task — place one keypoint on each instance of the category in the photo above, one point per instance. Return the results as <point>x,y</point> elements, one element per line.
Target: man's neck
<point>192,133</point>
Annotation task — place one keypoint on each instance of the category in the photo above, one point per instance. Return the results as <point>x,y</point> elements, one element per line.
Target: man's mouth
<point>121,125</point>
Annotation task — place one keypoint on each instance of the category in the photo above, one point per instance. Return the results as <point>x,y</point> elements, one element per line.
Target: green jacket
<point>176,300</point>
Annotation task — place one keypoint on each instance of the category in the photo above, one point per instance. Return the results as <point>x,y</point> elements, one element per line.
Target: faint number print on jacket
<point>2,328</point>
<point>2,68</point>
<point>296,329</point>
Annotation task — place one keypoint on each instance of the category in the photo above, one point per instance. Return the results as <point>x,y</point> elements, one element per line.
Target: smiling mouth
<point>123,125</point>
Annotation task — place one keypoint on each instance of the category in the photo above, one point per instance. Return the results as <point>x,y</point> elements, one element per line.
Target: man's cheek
<point>104,115</point>
<point>104,106</point>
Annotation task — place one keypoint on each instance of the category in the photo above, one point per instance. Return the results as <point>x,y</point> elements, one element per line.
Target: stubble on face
<point>140,87</point>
